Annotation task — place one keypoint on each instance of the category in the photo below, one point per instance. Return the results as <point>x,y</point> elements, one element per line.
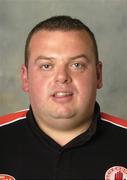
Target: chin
<point>64,112</point>
<point>63,115</point>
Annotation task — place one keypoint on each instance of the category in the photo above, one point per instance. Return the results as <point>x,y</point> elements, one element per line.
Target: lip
<point>62,96</point>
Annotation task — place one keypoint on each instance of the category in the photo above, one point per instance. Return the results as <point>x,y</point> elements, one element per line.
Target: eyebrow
<point>42,57</point>
<point>79,56</point>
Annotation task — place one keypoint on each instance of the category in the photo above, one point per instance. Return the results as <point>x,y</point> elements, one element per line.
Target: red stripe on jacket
<point>114,120</point>
<point>9,118</point>
<point>12,117</point>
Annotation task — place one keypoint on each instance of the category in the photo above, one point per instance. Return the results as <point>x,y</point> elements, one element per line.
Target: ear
<point>24,78</point>
<point>99,75</point>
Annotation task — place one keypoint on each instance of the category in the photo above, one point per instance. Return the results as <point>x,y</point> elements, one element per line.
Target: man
<point>63,135</point>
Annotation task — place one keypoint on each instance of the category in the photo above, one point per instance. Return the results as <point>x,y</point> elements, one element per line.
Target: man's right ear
<point>24,78</point>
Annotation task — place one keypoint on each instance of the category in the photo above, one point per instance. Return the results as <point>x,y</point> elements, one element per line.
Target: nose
<point>63,76</point>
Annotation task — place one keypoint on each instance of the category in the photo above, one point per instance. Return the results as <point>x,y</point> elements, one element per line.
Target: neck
<point>64,136</point>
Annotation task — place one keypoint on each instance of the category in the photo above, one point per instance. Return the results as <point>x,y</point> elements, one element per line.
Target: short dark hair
<point>63,23</point>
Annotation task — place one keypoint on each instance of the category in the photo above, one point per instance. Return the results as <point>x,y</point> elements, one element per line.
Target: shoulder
<point>13,117</point>
<point>112,135</point>
<point>115,121</point>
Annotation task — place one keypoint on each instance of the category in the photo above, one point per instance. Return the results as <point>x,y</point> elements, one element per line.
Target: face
<point>62,78</point>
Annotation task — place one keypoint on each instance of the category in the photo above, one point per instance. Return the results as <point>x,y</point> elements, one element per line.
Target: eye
<point>46,67</point>
<point>78,66</point>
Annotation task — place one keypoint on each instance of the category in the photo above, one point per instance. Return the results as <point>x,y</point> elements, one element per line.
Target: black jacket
<point>28,153</point>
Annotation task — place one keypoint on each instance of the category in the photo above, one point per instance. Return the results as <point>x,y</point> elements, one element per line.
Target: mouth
<point>62,94</point>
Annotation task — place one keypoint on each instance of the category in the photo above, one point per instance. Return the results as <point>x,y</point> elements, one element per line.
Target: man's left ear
<point>99,75</point>
<point>24,78</point>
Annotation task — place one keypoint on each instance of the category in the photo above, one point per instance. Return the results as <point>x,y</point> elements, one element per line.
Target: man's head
<point>61,23</point>
<point>61,73</point>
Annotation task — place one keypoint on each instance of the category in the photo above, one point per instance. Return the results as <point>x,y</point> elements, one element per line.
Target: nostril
<point>63,81</point>
<point>63,77</point>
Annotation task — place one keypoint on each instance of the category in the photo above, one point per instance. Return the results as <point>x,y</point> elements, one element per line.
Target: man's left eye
<point>77,65</point>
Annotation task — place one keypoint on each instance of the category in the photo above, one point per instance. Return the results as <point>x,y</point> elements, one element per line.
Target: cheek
<point>37,85</point>
<point>87,84</point>
<point>40,82</point>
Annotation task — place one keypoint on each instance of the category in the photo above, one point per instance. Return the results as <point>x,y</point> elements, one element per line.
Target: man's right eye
<point>46,67</point>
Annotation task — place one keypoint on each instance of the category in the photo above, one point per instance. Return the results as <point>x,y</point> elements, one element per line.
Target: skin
<point>61,81</point>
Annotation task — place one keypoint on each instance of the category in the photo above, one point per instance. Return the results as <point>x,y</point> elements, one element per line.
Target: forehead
<point>62,43</point>
<point>57,35</point>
